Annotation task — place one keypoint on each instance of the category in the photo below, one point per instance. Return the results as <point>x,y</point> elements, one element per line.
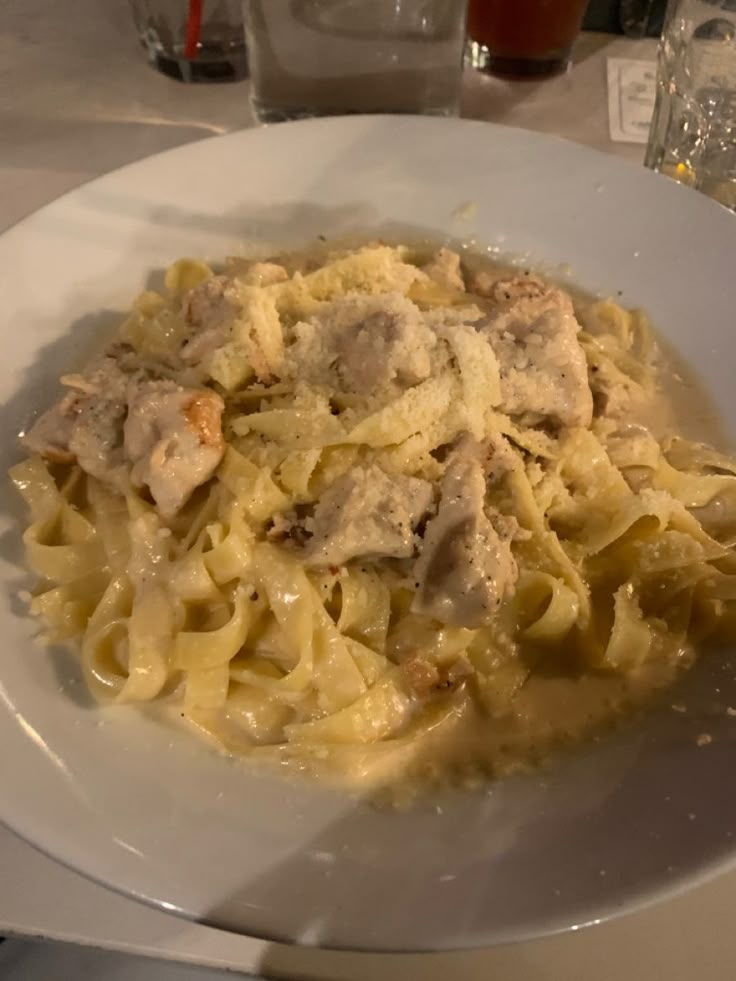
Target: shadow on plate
<point>636,816</point>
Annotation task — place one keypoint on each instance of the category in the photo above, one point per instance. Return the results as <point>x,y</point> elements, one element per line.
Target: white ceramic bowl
<point>155,814</point>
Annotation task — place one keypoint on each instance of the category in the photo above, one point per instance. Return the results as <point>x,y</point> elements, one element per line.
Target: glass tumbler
<point>523,38</point>
<point>693,133</point>
<point>329,57</point>
<point>193,40</point>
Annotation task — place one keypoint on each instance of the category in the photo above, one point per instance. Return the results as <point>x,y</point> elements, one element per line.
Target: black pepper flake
<point>254,595</point>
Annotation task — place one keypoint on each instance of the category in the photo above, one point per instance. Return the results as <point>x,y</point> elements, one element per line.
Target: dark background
<point>609,15</point>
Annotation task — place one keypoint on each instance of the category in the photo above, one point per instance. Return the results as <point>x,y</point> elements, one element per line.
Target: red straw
<point>194,27</point>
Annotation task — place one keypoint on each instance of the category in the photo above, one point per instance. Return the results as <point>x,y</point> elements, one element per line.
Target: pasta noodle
<point>369,522</point>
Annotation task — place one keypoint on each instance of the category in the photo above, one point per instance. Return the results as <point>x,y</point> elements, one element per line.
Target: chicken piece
<point>170,435</point>
<point>97,440</point>
<point>366,512</point>
<point>106,376</point>
<point>206,305</point>
<point>50,434</point>
<point>465,567</point>
<point>83,430</point>
<point>173,439</point>
<point>543,369</point>
<point>520,288</point>
<point>97,437</point>
<point>388,343</point>
<point>236,321</point>
<point>85,426</point>
<point>444,269</point>
<point>363,344</point>
<point>210,313</point>
<point>497,286</point>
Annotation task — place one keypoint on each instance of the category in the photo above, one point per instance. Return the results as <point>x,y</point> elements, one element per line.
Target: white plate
<point>157,815</point>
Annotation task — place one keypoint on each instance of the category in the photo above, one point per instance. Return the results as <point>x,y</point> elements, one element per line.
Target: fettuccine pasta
<point>376,513</point>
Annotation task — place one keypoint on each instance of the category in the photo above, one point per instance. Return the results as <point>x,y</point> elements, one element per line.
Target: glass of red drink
<point>523,38</point>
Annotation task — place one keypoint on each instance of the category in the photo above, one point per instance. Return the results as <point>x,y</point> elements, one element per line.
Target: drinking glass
<point>328,57</point>
<point>693,132</point>
<point>193,40</point>
<point>523,38</point>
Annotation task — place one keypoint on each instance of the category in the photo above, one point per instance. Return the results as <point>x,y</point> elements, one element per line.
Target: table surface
<point>76,100</point>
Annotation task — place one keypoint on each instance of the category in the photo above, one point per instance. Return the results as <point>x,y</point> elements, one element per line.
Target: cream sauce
<point>554,711</point>
<point>556,708</point>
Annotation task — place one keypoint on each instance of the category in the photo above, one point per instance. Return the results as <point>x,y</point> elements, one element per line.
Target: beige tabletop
<point>76,100</point>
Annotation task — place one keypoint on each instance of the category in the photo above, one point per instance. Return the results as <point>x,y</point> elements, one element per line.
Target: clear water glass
<point>693,133</point>
<point>201,41</point>
<point>330,57</point>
